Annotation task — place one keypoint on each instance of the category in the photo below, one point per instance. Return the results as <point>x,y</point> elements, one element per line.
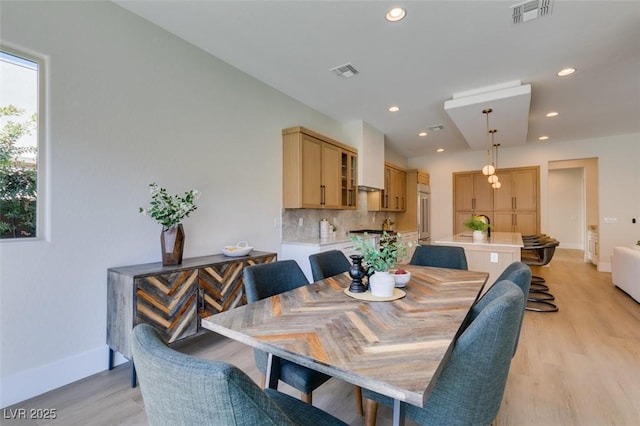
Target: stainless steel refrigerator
<point>424,214</point>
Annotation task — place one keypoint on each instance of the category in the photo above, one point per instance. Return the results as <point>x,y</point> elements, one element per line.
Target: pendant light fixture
<point>492,154</point>
<point>489,169</point>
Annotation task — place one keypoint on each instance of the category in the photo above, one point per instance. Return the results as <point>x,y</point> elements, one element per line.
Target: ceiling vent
<point>345,71</point>
<point>532,9</point>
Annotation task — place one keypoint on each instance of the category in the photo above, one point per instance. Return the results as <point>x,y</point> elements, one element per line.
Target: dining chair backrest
<point>471,387</point>
<point>519,274</point>
<point>179,389</point>
<point>268,279</point>
<point>328,264</point>
<point>439,256</point>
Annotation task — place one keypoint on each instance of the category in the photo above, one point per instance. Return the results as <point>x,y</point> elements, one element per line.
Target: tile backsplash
<point>344,220</point>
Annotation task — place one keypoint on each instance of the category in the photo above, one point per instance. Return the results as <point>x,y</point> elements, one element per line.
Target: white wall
<point>128,104</point>
<point>567,207</point>
<point>619,180</point>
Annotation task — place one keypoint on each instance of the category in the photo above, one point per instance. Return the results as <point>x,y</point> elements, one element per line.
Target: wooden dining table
<point>396,348</point>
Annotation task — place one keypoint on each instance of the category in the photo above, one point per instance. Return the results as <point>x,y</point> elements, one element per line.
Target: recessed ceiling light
<point>440,150</point>
<point>566,71</point>
<point>422,134</point>
<point>394,109</point>
<point>552,114</point>
<point>396,14</point>
<point>543,138</point>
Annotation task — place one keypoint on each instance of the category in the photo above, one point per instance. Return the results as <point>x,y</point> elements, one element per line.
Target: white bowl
<point>402,279</point>
<point>240,249</point>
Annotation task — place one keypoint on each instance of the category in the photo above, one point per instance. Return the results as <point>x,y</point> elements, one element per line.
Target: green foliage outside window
<point>18,177</point>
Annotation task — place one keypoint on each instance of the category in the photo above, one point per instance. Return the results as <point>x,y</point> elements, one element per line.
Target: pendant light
<point>489,169</point>
<point>492,154</point>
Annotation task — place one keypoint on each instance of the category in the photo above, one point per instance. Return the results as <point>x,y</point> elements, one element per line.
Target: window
<point>19,148</point>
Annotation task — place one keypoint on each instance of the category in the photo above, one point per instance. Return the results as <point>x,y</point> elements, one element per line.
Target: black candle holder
<point>357,273</point>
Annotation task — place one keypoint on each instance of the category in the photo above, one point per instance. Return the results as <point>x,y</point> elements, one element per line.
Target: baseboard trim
<point>36,381</point>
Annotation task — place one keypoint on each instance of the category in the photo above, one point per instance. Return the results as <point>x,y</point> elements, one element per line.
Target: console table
<point>173,298</point>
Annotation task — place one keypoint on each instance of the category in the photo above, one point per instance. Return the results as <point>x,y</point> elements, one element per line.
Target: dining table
<point>397,347</point>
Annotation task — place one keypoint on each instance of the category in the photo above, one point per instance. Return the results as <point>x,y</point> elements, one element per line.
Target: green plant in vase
<point>478,226</point>
<point>392,249</point>
<point>474,223</point>
<point>169,211</point>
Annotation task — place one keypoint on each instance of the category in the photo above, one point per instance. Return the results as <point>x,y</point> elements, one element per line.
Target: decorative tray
<point>397,294</point>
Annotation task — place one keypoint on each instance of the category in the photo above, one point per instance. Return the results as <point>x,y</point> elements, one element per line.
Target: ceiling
<point>441,48</point>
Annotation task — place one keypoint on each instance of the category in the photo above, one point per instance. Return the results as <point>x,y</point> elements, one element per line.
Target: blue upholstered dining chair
<point>325,265</point>
<point>179,389</point>
<point>439,256</point>
<point>266,280</point>
<point>328,264</point>
<point>518,273</point>
<point>470,389</point>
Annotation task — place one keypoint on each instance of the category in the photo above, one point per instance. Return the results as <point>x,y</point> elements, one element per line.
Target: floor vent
<point>345,71</point>
<point>532,9</point>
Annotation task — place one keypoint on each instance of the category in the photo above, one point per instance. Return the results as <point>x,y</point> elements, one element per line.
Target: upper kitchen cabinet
<point>393,197</point>
<point>472,192</point>
<point>318,172</point>
<point>348,180</point>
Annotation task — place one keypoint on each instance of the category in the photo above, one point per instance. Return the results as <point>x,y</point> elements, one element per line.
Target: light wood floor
<point>578,366</point>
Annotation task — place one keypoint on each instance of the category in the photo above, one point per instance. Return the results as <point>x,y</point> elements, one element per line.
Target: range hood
<point>370,144</point>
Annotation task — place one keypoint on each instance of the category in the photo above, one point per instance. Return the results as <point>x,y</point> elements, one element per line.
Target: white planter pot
<point>478,236</point>
<point>382,284</point>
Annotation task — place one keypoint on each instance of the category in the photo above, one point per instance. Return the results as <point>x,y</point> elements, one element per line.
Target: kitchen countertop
<point>317,241</point>
<point>507,239</point>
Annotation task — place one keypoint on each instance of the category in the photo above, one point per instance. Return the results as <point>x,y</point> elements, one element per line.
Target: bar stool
<point>538,250</point>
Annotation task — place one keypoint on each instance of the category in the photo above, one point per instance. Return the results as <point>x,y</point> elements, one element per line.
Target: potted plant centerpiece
<point>378,261</point>
<point>169,211</point>
<point>478,226</point>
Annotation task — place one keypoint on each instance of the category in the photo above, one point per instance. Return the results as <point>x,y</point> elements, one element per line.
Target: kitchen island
<point>491,255</point>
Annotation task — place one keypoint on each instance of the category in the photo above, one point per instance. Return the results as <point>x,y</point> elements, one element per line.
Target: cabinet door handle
<point>397,203</point>
<point>473,203</point>
<point>322,195</point>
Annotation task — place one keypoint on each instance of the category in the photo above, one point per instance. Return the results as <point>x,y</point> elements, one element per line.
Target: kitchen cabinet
<point>411,239</point>
<point>300,251</point>
<point>348,180</point>
<point>408,219</point>
<point>472,195</point>
<point>514,207</point>
<point>393,198</point>
<point>592,253</point>
<point>516,201</point>
<point>318,172</point>
<point>173,298</point>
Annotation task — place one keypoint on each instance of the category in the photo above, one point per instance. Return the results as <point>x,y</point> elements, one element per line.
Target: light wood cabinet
<point>393,197</point>
<point>514,207</point>
<point>472,195</point>
<point>349,179</point>
<point>408,220</point>
<point>516,201</point>
<point>318,172</point>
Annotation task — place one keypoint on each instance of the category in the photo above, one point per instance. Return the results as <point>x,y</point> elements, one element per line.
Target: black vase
<point>357,273</point>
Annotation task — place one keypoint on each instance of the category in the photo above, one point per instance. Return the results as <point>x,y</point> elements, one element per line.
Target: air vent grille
<point>345,71</point>
<point>532,9</point>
